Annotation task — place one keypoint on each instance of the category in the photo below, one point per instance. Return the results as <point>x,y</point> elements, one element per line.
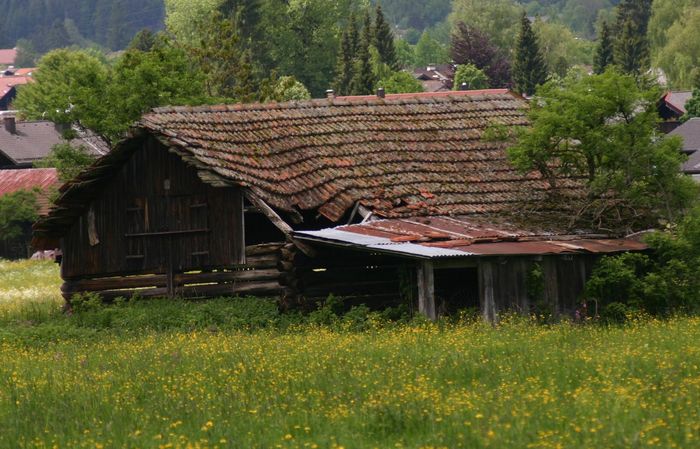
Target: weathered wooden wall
<point>155,216</point>
<point>503,284</point>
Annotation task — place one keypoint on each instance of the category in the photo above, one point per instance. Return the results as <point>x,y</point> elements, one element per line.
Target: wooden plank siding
<point>156,204</point>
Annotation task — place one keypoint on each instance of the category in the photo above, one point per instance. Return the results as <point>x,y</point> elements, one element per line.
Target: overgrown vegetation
<point>237,373</point>
<point>17,211</point>
<point>599,132</point>
<point>67,160</point>
<point>662,282</point>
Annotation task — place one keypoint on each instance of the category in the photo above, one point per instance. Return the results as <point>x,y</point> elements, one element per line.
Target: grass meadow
<point>238,374</point>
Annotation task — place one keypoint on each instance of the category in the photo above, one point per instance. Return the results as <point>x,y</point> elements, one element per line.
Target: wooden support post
<point>551,283</point>
<point>486,291</point>
<point>426,290</point>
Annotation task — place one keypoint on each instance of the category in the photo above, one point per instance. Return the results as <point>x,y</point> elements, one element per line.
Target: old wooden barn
<point>378,199</point>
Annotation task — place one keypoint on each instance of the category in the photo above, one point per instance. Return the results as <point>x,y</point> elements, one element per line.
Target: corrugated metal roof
<point>431,237</point>
<point>28,179</point>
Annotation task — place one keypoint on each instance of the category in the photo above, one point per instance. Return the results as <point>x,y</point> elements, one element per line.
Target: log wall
<point>262,275</point>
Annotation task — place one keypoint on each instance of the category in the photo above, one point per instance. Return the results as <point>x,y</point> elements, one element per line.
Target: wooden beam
<point>269,213</point>
<point>278,222</point>
<point>486,291</point>
<point>426,290</point>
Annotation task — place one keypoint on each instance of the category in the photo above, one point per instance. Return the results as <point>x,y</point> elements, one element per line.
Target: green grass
<point>238,374</point>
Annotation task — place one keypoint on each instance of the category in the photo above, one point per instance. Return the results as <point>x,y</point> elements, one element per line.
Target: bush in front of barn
<point>663,282</point>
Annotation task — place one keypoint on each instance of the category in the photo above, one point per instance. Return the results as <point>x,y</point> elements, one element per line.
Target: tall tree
<point>631,48</point>
<point>604,50</point>
<point>472,46</point>
<point>529,67</point>
<point>384,40</point>
<point>345,67</point>
<point>363,78</point>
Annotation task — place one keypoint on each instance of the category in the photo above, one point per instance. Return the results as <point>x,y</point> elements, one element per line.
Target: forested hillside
<point>51,24</point>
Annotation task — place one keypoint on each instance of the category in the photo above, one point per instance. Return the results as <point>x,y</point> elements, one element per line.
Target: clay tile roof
<point>404,155</point>
<point>28,179</point>
<point>8,56</point>
<point>8,82</point>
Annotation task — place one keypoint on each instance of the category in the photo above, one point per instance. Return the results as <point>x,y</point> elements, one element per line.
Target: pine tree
<point>345,66</point>
<point>363,78</point>
<point>604,50</point>
<point>384,40</point>
<point>631,51</point>
<point>353,35</point>
<point>529,67</point>
<point>631,46</point>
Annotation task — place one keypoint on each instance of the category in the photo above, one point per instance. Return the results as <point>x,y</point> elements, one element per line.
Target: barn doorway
<point>456,290</point>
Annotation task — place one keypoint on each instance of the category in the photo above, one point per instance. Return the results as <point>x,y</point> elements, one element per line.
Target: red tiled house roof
<point>29,179</point>
<point>405,155</point>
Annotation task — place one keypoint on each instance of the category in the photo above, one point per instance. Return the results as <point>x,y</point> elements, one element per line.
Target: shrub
<point>662,282</point>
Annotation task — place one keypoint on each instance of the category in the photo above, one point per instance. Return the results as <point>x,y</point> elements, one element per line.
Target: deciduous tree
<point>602,131</point>
<point>472,46</point>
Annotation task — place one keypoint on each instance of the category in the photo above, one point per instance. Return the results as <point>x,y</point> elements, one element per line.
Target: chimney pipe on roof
<point>10,124</point>
<point>381,93</point>
<point>464,86</point>
<point>330,94</point>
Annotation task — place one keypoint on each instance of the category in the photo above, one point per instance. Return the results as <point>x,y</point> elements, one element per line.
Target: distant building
<point>8,88</point>
<point>7,56</point>
<point>436,77</point>
<point>690,132</point>
<point>40,180</point>
<point>24,143</point>
<point>671,108</point>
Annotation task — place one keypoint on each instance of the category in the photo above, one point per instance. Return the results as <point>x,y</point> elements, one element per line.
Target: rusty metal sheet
<point>442,236</point>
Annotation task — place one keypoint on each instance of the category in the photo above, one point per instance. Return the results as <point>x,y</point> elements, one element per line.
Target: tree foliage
<point>692,106</point>
<point>601,130</point>
<point>54,24</point>
<point>68,160</point>
<point>604,50</point>
<point>384,40</point>
<point>471,77</point>
<point>73,86</point>
<point>429,51</point>
<point>499,19</point>
<point>529,67</point>
<point>472,46</point>
<point>69,87</point>
<point>676,42</point>
<point>400,83</point>
<point>17,211</point>
<point>631,47</point>
<point>560,48</point>
<point>663,282</point>
<point>363,77</point>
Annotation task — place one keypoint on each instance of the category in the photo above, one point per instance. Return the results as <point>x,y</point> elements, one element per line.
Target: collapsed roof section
<point>459,237</point>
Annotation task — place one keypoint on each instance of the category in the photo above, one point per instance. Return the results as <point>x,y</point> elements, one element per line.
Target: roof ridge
<point>373,100</point>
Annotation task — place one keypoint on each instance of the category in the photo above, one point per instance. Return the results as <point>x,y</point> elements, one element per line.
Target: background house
<point>7,57</point>
<point>42,181</point>
<point>374,199</point>
<point>24,143</point>
<point>690,132</point>
<point>435,77</point>
<point>671,108</point>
